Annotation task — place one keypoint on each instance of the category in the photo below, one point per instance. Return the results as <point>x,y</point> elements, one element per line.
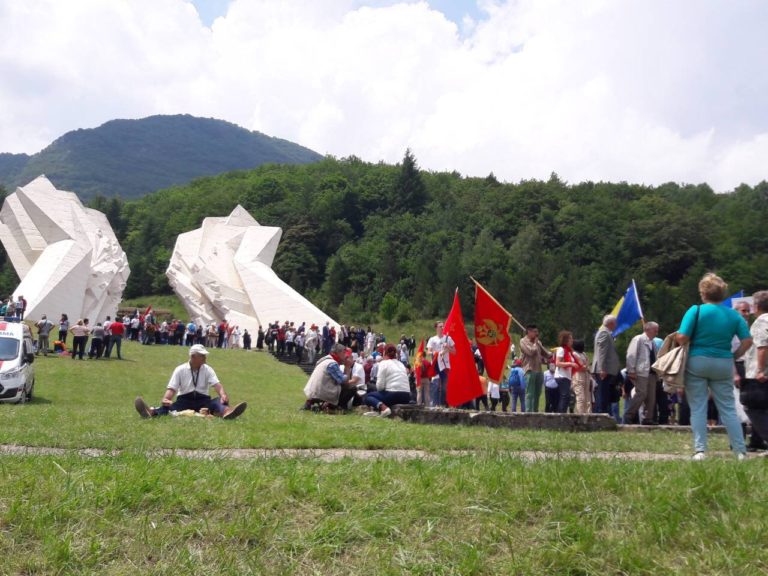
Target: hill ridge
<point>131,158</point>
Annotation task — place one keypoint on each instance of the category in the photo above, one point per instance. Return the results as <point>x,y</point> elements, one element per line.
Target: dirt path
<point>332,455</point>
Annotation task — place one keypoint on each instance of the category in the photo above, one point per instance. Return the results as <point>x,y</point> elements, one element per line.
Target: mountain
<point>130,158</point>
<point>11,165</point>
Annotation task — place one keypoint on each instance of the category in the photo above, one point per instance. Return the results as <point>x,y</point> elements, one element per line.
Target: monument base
<point>514,420</point>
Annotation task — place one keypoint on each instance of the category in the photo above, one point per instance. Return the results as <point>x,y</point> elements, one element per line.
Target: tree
<point>410,194</point>
<point>388,307</point>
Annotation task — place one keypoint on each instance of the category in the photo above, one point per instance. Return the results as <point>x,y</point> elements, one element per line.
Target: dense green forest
<point>131,158</point>
<point>369,240</point>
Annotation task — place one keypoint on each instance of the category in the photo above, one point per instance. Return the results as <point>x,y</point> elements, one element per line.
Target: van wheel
<point>28,395</point>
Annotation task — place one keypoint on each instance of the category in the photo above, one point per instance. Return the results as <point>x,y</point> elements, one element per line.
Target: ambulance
<point>17,353</point>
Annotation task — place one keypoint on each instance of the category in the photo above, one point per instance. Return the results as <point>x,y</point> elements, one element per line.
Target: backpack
<point>515,379</point>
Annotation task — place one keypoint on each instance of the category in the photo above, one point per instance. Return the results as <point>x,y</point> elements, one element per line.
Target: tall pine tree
<point>410,193</point>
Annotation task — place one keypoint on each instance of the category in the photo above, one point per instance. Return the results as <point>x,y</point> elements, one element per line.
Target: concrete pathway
<point>335,454</point>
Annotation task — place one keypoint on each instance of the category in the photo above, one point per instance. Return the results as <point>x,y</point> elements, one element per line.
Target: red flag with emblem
<point>491,332</point>
<point>463,379</point>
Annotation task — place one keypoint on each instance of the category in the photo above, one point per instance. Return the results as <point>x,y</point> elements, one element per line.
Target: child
<point>495,394</point>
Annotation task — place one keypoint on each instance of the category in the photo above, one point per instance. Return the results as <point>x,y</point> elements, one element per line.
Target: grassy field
<point>489,512</point>
<point>165,302</point>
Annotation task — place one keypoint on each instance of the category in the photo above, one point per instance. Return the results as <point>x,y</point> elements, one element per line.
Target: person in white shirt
<point>311,344</point>
<point>392,386</point>
<point>551,394</point>
<point>441,346</point>
<point>358,378</point>
<point>641,354</point>
<point>755,379</point>
<point>566,363</point>
<point>192,381</point>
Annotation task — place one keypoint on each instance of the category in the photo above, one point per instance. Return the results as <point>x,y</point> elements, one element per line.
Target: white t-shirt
<point>562,372</point>
<point>184,380</point>
<point>359,371</point>
<point>759,332</point>
<point>392,376</point>
<point>437,344</point>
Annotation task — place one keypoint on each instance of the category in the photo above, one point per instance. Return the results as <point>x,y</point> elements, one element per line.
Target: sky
<point>646,91</point>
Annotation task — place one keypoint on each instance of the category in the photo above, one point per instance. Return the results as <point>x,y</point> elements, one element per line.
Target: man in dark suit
<point>605,366</point>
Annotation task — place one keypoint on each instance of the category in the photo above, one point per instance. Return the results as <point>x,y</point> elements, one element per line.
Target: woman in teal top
<point>710,329</point>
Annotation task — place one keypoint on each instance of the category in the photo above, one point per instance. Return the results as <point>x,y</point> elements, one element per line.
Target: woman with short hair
<point>392,386</point>
<point>710,328</point>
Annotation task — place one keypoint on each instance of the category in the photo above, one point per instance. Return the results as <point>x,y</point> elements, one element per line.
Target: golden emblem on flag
<point>489,333</point>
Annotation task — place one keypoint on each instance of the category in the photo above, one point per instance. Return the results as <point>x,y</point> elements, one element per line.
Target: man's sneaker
<point>699,456</point>
<point>741,456</point>
<point>374,413</point>
<point>233,413</point>
<point>142,408</point>
<point>385,410</point>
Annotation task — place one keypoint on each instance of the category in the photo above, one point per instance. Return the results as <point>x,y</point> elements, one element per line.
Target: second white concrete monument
<point>223,271</point>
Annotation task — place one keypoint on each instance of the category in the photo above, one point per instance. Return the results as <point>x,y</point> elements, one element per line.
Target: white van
<point>17,375</point>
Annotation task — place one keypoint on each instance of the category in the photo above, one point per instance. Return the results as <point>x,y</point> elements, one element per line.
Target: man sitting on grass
<point>328,386</point>
<point>193,381</point>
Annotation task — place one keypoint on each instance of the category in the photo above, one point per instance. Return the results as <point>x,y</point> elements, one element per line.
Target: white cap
<point>198,349</point>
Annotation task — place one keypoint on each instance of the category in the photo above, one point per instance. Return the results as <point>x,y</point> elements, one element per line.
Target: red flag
<point>418,363</point>
<point>491,332</point>
<point>463,379</point>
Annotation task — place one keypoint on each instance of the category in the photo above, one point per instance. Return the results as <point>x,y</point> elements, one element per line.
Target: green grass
<point>489,512</point>
<point>458,515</point>
<point>169,302</point>
<point>89,403</point>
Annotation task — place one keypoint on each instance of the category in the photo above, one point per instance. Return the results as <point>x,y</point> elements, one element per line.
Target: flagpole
<point>498,303</point>
<point>637,299</point>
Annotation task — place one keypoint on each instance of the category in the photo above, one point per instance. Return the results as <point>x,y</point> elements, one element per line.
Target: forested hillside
<point>361,238</point>
<point>365,240</point>
<point>131,158</point>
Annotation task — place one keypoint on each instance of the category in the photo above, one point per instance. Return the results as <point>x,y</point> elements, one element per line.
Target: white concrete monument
<point>223,271</point>
<point>66,255</point>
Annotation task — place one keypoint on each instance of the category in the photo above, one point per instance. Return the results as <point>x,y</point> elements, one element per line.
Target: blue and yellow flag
<point>627,310</point>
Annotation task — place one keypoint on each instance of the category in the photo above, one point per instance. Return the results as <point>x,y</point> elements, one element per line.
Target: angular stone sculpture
<point>66,255</point>
<point>223,271</point>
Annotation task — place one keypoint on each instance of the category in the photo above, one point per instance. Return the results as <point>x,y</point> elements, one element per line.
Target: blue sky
<point>454,10</point>
<point>647,91</point>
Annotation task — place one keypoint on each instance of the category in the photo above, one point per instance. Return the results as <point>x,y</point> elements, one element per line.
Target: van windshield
<point>9,349</point>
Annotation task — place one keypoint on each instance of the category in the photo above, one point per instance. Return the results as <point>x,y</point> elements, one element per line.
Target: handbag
<point>672,359</point>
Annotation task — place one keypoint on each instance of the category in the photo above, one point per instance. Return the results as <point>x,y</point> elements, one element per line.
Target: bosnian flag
<point>627,310</point>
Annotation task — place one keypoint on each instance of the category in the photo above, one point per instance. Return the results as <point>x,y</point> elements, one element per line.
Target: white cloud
<point>596,89</point>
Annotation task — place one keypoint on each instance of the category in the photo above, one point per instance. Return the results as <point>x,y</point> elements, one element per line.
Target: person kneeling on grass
<point>193,381</point>
<point>329,386</point>
<point>392,386</point>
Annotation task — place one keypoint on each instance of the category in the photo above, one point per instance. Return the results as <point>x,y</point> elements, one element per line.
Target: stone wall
<point>536,421</point>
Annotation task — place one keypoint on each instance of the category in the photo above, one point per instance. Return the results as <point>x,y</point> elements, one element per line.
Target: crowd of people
<point>13,308</point>
<point>724,359</point>
<point>354,366</point>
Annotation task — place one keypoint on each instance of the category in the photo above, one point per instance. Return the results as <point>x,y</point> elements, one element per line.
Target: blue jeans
<point>116,341</point>
<point>194,402</point>
<point>373,399</point>
<point>518,392</point>
<point>534,382</point>
<point>702,375</point>
<point>564,394</point>
<point>437,389</point>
